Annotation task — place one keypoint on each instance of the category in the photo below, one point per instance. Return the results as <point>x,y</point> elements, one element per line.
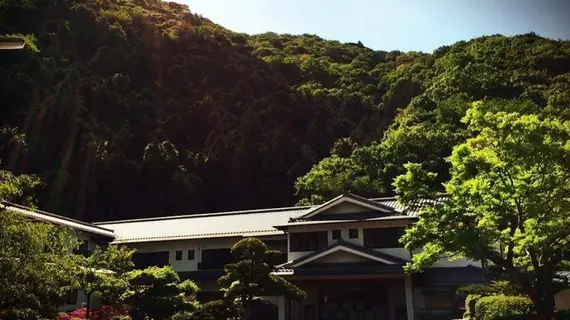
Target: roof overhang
<point>54,219</point>
<point>347,197</point>
<point>327,222</point>
<point>343,246</point>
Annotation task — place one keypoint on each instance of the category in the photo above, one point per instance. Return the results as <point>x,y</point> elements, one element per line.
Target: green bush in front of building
<point>470,302</point>
<point>502,307</point>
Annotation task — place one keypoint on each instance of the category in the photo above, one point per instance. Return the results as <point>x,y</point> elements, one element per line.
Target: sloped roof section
<point>341,245</point>
<point>409,211</point>
<point>48,217</point>
<point>207,225</point>
<point>346,197</point>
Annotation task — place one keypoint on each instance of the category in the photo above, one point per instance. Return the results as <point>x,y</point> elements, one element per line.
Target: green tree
<point>101,274</point>
<point>507,201</point>
<point>250,277</point>
<point>157,293</point>
<point>35,264</point>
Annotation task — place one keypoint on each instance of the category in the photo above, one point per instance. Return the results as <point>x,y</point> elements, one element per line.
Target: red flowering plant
<point>103,313</point>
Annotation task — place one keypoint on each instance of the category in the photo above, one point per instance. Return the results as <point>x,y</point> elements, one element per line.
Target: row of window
<point>190,255</point>
<point>372,238</point>
<point>211,258</point>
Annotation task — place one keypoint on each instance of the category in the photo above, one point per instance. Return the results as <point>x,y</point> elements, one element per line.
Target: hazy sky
<point>396,24</point>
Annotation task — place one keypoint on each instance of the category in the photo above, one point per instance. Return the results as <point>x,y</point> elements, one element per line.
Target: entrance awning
<point>326,262</point>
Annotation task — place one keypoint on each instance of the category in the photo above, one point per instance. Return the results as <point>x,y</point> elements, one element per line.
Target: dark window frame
<point>191,254</point>
<point>144,260</point>
<point>381,238</point>
<point>351,234</point>
<point>178,255</point>
<point>71,296</point>
<point>336,234</point>
<point>308,241</point>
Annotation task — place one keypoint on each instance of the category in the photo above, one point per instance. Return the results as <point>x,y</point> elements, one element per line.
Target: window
<point>178,255</point>
<point>191,255</point>
<point>148,259</point>
<point>71,297</point>
<point>309,241</point>
<point>353,233</point>
<point>215,259</point>
<point>383,237</point>
<point>83,248</point>
<point>336,234</point>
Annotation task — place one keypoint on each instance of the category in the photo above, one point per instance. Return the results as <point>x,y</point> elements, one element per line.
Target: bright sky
<point>405,25</point>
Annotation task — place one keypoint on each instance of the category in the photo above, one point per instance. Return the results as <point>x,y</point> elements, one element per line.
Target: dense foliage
<point>502,307</point>
<point>506,201</point>
<point>35,267</point>
<point>140,108</point>
<point>524,73</point>
<point>158,293</point>
<point>249,277</point>
<point>131,108</point>
<point>102,272</point>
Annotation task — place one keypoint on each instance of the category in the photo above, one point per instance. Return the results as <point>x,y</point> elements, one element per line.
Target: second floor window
<point>308,241</point>
<point>383,237</point>
<point>83,248</point>
<point>215,258</point>
<point>178,255</point>
<point>144,260</point>
<point>191,255</point>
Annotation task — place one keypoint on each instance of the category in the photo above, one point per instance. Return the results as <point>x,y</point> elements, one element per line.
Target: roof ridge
<point>53,215</point>
<point>207,214</point>
<point>185,236</point>
<point>383,198</point>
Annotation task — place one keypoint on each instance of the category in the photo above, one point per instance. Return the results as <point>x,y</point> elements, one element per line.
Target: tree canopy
<point>250,277</point>
<point>135,108</point>
<point>158,293</point>
<point>506,201</point>
<point>36,268</point>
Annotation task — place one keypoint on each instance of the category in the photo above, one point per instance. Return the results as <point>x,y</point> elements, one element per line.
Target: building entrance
<point>352,302</point>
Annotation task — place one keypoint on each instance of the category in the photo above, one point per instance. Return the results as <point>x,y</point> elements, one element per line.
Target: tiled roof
<point>209,225</point>
<point>330,221</point>
<point>341,269</point>
<point>48,217</point>
<point>374,205</point>
<point>260,222</point>
<point>413,212</point>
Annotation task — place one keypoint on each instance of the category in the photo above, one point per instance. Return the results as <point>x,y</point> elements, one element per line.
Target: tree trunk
<point>544,306</point>
<point>88,306</point>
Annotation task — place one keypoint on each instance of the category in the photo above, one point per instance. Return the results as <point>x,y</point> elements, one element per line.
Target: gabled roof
<point>253,223</point>
<point>346,197</point>
<point>342,245</point>
<point>48,217</point>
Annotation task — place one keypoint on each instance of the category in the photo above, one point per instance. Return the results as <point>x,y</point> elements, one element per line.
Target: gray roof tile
<point>194,226</point>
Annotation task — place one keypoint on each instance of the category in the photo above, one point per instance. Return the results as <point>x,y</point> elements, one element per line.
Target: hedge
<point>470,302</point>
<point>501,306</point>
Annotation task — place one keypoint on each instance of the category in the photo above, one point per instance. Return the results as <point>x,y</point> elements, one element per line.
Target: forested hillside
<point>526,74</point>
<point>135,108</point>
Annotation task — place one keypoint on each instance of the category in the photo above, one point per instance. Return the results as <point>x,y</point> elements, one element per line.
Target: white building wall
<point>193,244</point>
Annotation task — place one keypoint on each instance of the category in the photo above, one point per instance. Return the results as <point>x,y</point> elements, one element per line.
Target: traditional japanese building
<point>344,254</point>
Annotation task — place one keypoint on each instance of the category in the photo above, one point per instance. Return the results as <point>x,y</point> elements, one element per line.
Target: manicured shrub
<point>470,302</point>
<point>501,307</point>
